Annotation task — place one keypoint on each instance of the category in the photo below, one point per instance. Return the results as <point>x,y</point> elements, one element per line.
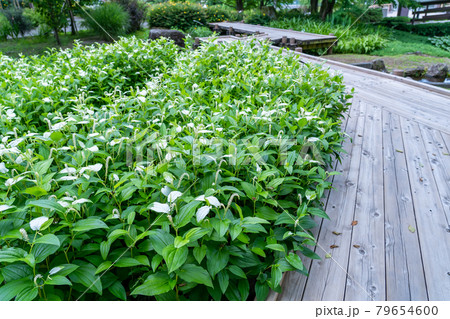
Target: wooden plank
<point>440,164</point>
<point>432,225</point>
<point>328,275</point>
<point>405,278</point>
<point>366,272</point>
<point>294,283</point>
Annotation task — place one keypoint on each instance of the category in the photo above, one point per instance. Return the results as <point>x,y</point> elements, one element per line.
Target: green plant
<point>394,22</point>
<point>220,13</point>
<point>141,164</point>
<point>441,42</point>
<point>256,17</point>
<point>5,27</point>
<point>108,20</point>
<point>177,15</point>
<point>357,39</point>
<point>20,23</point>
<point>200,32</point>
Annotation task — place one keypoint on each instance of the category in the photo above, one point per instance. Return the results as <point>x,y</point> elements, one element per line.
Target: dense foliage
<point>137,171</point>
<point>185,15</point>
<point>5,27</point>
<point>20,23</point>
<point>357,39</point>
<point>441,42</point>
<point>109,20</point>
<point>136,10</point>
<point>425,29</point>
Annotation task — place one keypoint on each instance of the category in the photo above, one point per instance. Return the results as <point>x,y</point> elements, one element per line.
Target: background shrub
<point>200,32</point>
<point>257,17</point>
<point>358,39</point>
<point>180,16</point>
<point>394,22</point>
<point>108,19</point>
<point>137,11</point>
<point>74,206</point>
<point>5,27</point>
<point>20,23</point>
<point>441,42</point>
<point>220,13</point>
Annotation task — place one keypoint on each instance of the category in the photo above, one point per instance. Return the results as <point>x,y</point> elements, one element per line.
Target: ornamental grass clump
<point>197,179</point>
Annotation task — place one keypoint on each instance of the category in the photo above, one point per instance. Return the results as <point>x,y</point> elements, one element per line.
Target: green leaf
<point>160,239</point>
<point>58,281</point>
<point>276,275</point>
<point>216,260</point>
<point>105,246</point>
<point>67,269</point>
<point>118,290</point>
<point>295,261</point>
<point>237,271</point>
<point>103,266</point>
<point>127,262</point>
<point>155,284</point>
<point>10,255</point>
<point>196,233</point>
<point>42,167</point>
<point>27,294</point>
<point>224,280</point>
<point>276,247</point>
<point>156,260</point>
<point>16,271</point>
<point>235,230</point>
<point>259,251</point>
<point>267,213</point>
<point>186,213</point>
<point>42,251</point>
<point>262,291</point>
<point>318,212</point>
<point>35,191</point>
<point>49,204</point>
<point>197,274</point>
<point>13,288</point>
<point>85,275</point>
<point>89,224</point>
<point>199,253</point>
<point>249,190</point>
<point>175,257</point>
<point>244,289</point>
<point>180,242</point>
<point>49,239</point>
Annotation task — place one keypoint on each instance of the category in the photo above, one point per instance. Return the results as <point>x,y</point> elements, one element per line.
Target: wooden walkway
<point>291,39</point>
<point>394,189</point>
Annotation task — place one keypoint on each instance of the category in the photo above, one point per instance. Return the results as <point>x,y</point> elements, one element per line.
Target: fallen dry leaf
<point>356,246</point>
<point>411,229</point>
<point>336,233</point>
<point>354,223</point>
<point>334,246</point>
<point>399,151</point>
<point>328,256</point>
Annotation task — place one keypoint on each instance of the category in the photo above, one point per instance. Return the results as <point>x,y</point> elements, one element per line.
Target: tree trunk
<point>261,4</point>
<point>73,25</point>
<point>239,5</point>
<point>56,32</point>
<point>327,8</point>
<point>314,6</point>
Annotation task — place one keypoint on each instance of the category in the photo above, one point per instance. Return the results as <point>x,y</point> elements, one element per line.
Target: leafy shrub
<point>357,39</point>
<point>136,10</point>
<point>429,29</point>
<point>108,20</point>
<point>180,16</point>
<point>200,32</point>
<point>394,22</point>
<point>186,221</point>
<point>20,23</point>
<point>220,13</point>
<point>346,16</point>
<point>5,27</point>
<point>441,42</point>
<point>256,17</point>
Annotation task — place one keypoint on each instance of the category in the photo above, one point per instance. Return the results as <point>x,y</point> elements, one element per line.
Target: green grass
<point>404,42</point>
<point>39,45</point>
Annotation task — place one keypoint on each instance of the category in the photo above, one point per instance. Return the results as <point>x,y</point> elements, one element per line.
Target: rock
<point>415,73</point>
<point>365,65</point>
<point>398,72</point>
<point>378,65</point>
<point>437,72</point>
<point>177,36</point>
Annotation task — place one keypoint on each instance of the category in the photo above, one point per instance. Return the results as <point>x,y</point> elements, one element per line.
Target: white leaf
<point>160,208</point>
<point>36,223</point>
<point>68,170</point>
<point>173,196</point>
<point>202,212</point>
<point>55,270</point>
<point>68,178</point>
<point>4,207</point>
<point>93,148</point>
<point>81,201</point>
<point>213,201</point>
<point>3,168</point>
<point>166,190</point>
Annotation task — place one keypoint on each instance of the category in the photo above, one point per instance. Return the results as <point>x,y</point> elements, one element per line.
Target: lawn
<point>404,42</point>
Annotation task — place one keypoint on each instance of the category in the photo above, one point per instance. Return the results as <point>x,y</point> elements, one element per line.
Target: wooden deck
<point>293,38</point>
<point>395,188</point>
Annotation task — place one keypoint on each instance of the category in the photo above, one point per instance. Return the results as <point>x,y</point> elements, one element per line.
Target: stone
<point>437,72</point>
<point>365,65</point>
<point>398,72</point>
<point>378,65</point>
<point>415,73</point>
<point>177,36</point>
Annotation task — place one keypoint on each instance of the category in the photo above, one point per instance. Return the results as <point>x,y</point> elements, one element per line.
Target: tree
<point>53,13</point>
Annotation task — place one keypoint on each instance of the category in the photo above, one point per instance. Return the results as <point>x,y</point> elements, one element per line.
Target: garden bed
<point>137,171</point>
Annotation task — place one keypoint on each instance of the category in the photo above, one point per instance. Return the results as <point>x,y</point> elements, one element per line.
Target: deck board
<point>396,183</point>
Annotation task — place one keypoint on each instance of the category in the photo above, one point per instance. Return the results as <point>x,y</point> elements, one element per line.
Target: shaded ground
<point>403,61</point>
